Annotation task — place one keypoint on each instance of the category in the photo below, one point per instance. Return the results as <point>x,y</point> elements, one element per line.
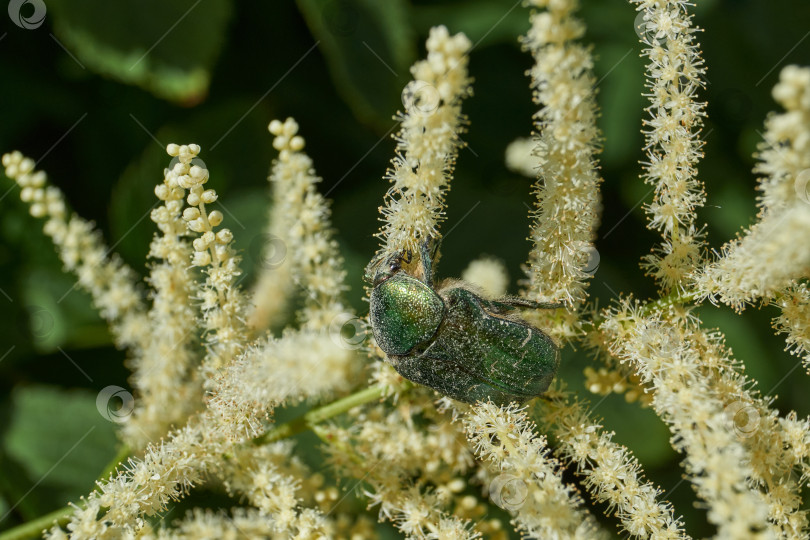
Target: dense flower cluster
<point>565,147</point>
<point>209,369</point>
<point>427,143</point>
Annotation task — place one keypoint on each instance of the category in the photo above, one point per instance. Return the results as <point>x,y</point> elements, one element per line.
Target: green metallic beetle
<point>454,341</point>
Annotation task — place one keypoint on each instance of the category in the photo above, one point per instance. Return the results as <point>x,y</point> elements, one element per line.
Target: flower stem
<point>315,416</point>
<point>668,301</point>
<point>35,527</point>
<point>304,422</point>
<point>60,516</point>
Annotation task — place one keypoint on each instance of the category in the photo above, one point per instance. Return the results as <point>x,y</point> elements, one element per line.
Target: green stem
<point>123,454</point>
<point>60,516</point>
<point>315,416</point>
<point>305,422</point>
<point>34,528</point>
<point>345,448</point>
<point>668,301</point>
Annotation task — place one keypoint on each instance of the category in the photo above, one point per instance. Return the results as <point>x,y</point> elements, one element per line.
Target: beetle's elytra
<point>455,341</point>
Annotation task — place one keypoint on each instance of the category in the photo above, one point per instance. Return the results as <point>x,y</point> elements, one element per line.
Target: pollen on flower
<point>223,305</point>
<point>764,261</point>
<point>565,148</point>
<point>212,363</point>
<point>548,508</point>
<point>668,354</point>
<point>674,76</point>
<point>427,144</point>
<point>610,471</point>
<point>299,229</point>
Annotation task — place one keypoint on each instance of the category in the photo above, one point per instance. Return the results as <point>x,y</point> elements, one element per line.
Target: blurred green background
<point>96,91</point>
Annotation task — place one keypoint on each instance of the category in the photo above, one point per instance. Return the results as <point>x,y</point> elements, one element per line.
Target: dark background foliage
<point>97,91</point>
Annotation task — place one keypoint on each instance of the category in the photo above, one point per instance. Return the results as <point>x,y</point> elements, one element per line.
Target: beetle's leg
<point>548,399</point>
<point>511,303</point>
<point>427,254</point>
<point>526,303</point>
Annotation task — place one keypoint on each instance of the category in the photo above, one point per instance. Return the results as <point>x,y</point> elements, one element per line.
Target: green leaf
<point>60,313</point>
<point>60,441</point>
<point>167,48</point>
<point>369,47</point>
<point>4,510</point>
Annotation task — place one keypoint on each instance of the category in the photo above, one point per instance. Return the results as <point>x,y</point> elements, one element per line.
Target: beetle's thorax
<point>404,313</point>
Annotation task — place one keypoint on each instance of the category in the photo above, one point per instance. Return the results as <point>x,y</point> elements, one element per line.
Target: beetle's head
<point>384,268</point>
<point>387,269</point>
